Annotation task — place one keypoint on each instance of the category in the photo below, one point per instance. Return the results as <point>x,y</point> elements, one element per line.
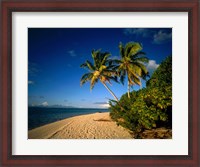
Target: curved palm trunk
<point>110,91</point>
<point>140,83</point>
<point>128,89</point>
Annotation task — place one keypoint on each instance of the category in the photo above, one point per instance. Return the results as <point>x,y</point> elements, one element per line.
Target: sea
<point>39,116</point>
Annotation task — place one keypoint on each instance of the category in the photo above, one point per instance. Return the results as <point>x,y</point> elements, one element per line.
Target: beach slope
<point>91,126</point>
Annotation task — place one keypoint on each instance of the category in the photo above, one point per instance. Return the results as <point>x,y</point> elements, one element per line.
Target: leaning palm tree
<point>100,70</point>
<point>132,64</point>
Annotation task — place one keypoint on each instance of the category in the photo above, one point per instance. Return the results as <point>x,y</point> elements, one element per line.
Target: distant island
<point>54,106</point>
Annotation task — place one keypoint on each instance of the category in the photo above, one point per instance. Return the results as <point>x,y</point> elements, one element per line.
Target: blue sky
<point>55,56</point>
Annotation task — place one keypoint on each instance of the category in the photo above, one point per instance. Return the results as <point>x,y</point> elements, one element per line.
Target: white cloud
<point>161,37</point>
<point>31,82</point>
<point>102,104</point>
<point>45,104</point>
<point>72,53</point>
<point>144,32</point>
<point>152,66</point>
<point>158,37</point>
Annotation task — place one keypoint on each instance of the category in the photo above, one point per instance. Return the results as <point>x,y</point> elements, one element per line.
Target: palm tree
<point>101,70</point>
<point>132,64</point>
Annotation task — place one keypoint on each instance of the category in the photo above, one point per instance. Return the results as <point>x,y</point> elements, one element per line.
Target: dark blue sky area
<point>55,56</point>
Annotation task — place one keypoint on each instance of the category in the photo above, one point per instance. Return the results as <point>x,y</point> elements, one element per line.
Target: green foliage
<point>131,64</point>
<point>101,69</point>
<point>150,107</point>
<point>163,75</point>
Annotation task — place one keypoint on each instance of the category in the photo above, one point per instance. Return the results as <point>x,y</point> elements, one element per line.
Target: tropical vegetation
<point>147,108</point>
<point>132,64</point>
<point>100,70</point>
<point>150,107</point>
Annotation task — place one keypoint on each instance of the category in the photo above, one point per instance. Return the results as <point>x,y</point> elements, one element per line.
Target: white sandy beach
<point>91,126</point>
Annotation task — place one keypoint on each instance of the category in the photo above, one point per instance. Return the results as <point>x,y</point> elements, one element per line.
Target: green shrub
<point>163,74</point>
<point>147,108</point>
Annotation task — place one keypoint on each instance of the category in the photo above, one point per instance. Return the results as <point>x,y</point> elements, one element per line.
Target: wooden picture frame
<point>9,6</point>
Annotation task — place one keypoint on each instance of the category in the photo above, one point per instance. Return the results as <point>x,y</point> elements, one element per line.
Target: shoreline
<point>90,126</point>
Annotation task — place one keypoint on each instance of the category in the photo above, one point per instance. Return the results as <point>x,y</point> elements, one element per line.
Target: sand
<point>91,126</point>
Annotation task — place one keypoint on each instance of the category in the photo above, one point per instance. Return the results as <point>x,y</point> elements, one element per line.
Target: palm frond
<point>122,75</point>
<point>139,54</point>
<point>95,56</point>
<point>145,75</point>
<point>133,48</point>
<point>104,58</point>
<point>135,69</point>
<point>112,101</point>
<point>127,48</point>
<point>136,80</point>
<point>83,65</point>
<point>109,62</point>
<point>121,50</point>
<point>102,68</point>
<point>110,72</point>
<point>133,75</point>
<point>142,67</point>
<point>88,65</point>
<point>111,67</point>
<point>140,59</point>
<point>93,81</point>
<point>130,81</point>
<point>86,77</point>
<point>116,68</point>
<point>113,78</point>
